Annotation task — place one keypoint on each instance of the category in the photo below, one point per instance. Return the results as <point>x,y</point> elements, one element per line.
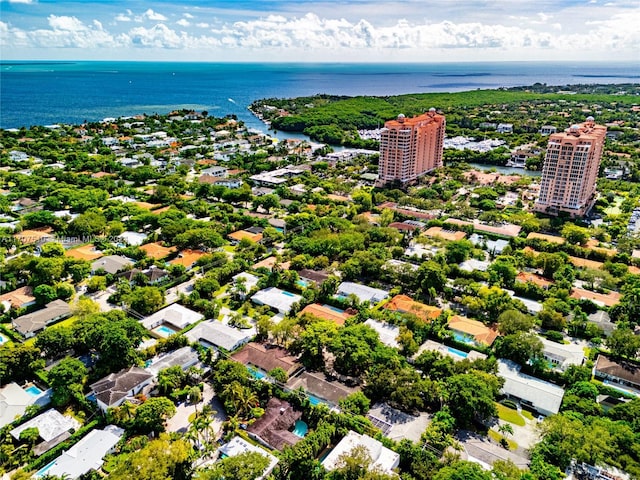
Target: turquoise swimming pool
<point>461,337</point>
<point>302,283</point>
<point>33,390</point>
<point>43,471</point>
<point>456,352</point>
<point>300,429</point>
<point>3,339</point>
<point>164,331</point>
<point>288,294</point>
<point>313,400</point>
<point>256,373</point>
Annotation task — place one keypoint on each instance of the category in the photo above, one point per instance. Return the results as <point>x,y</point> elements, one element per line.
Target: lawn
<point>497,437</point>
<point>527,414</point>
<point>510,415</point>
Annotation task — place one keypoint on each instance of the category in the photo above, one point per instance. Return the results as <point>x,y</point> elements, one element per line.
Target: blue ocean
<point>42,93</point>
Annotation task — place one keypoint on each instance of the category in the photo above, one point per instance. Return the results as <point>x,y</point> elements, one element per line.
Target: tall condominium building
<point>410,147</point>
<point>570,170</point>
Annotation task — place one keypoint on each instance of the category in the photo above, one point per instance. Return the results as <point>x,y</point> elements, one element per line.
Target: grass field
<point>527,414</point>
<point>510,415</point>
<point>497,437</point>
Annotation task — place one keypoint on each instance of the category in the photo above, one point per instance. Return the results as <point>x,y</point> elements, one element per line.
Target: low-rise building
<point>84,456</point>
<point>238,445</point>
<point>383,459</point>
<point>405,304</point>
<point>111,264</point>
<point>560,356</point>
<point>31,323</point>
<point>175,315</point>
<point>326,312</point>
<point>387,333</point>
<point>115,388</point>
<point>14,401</point>
<point>363,293</point>
<point>273,428</point>
<point>184,358</point>
<point>279,300</point>
<point>216,334</point>
<point>267,357</point>
<point>18,298</point>
<point>532,392</point>
<point>470,331</point>
<point>618,374</point>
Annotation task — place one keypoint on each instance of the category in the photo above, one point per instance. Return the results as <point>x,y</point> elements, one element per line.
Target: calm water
<point>41,93</point>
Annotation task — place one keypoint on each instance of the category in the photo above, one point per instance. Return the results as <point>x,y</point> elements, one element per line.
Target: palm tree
<point>505,429</point>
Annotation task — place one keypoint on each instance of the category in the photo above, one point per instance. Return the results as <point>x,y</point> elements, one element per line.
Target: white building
<point>219,335</point>
<point>14,401</point>
<point>50,424</point>
<point>544,397</point>
<point>362,292</point>
<point>277,299</point>
<point>388,333</point>
<point>238,445</point>
<point>383,459</point>
<point>561,356</point>
<point>176,315</point>
<point>84,456</point>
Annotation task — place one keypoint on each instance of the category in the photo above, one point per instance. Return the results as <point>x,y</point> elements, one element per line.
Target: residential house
<point>316,277</point>
<point>450,352</point>
<point>387,333</point>
<point>111,264</point>
<point>473,332</point>
<point>175,315</point>
<point>362,292</point>
<point>320,388</point>
<point>267,357</point>
<point>53,428</point>
<point>133,238</point>
<point>277,299</point>
<point>184,358</point>
<point>188,258</point>
<point>238,445</point>
<point>219,335</point>
<point>87,454</point>
<point>157,251</point>
<point>250,281</point>
<point>273,428</point>
<point>449,235</point>
<point>603,299</point>
<point>532,392</point>
<point>383,459</point>
<point>31,323</point>
<point>236,237</point>
<point>18,298</point>
<point>560,356</point>
<point>405,304</point>
<point>115,388</point>
<point>538,280</point>
<point>269,263</point>
<point>87,252</point>
<point>505,128</point>
<point>14,401</point>
<point>618,374</point>
<point>326,312</point>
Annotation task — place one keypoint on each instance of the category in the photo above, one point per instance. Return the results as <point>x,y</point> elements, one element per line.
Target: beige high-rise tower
<point>410,147</point>
<point>570,170</point>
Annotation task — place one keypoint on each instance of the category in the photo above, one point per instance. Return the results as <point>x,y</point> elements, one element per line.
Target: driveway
<point>173,294</point>
<point>180,421</point>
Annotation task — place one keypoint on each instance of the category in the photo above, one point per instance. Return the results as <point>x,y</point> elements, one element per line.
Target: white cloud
<point>311,36</point>
<point>151,15</point>
<point>24,2</point>
<point>187,15</point>
<point>121,17</point>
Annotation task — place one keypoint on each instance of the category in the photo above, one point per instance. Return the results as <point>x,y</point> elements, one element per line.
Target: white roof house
<point>220,335</point>
<point>473,264</point>
<point>184,358</point>
<point>84,456</point>
<point>238,445</point>
<point>388,333</point>
<point>382,458</point>
<point>133,238</point>
<point>562,355</point>
<point>50,424</point>
<point>543,396</point>
<point>14,401</point>
<point>276,298</point>
<point>250,280</point>
<point>362,292</point>
<point>111,264</point>
<point>176,315</point>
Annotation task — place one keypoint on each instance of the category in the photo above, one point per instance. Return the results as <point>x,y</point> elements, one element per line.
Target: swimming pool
<point>302,283</point>
<point>3,339</point>
<point>300,429</point>
<point>335,309</point>
<point>256,373</point>
<point>33,390</point>
<point>164,331</point>
<point>456,352</point>
<point>314,400</point>
<point>43,471</point>
<point>288,294</point>
<point>461,337</point>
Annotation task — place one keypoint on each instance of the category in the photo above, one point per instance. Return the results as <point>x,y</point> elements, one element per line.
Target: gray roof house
<point>543,396</point>
<point>86,455</point>
<point>184,358</point>
<point>111,264</point>
<point>14,401</point>
<point>114,389</point>
<point>31,323</point>
<point>277,299</point>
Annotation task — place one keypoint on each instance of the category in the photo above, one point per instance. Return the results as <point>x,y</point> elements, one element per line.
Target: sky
<point>321,31</point>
